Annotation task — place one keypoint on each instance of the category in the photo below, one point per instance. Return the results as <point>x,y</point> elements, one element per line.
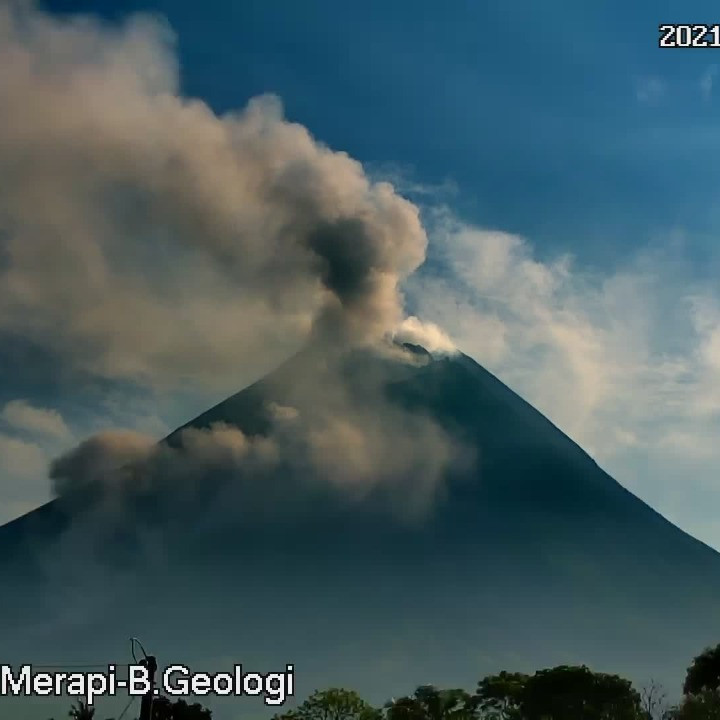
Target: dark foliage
<point>704,673</point>
<point>564,692</point>
<point>165,709</point>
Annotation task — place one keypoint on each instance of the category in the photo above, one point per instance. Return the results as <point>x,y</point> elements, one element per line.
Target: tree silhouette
<point>576,693</point>
<point>430,703</point>
<point>704,673</point>
<point>558,693</point>
<point>165,709</point>
<point>332,704</point>
<point>654,703</point>
<point>704,705</point>
<point>81,711</point>
<point>500,696</point>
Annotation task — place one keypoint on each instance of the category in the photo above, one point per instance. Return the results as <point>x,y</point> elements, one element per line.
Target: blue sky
<point>565,168</point>
<point>565,124</point>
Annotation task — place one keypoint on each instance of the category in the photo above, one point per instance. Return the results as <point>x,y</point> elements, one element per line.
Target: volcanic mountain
<point>523,554</point>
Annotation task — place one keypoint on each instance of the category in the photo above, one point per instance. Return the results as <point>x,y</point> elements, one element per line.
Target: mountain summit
<point>373,518</point>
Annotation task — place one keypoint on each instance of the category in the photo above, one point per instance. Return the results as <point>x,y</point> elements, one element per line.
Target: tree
<point>332,704</point>
<point>653,702</point>
<point>404,708</point>
<point>500,696</point>
<point>704,673</point>
<point>576,693</point>
<point>704,705</point>
<point>431,703</point>
<point>81,711</point>
<point>164,709</point>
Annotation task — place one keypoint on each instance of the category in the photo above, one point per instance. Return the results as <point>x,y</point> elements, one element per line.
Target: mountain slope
<point>530,555</point>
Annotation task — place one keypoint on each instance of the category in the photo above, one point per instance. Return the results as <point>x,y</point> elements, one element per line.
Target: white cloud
<point>23,476</point>
<point>626,362</point>
<point>30,437</point>
<point>23,416</point>
<point>22,459</point>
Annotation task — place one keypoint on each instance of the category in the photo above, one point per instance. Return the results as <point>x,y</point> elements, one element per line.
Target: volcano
<point>527,555</point>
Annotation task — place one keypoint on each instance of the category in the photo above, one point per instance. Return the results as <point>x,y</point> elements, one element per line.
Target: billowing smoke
<point>148,241</point>
<point>144,237</point>
<point>102,456</point>
<point>430,336</point>
<point>334,435</point>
